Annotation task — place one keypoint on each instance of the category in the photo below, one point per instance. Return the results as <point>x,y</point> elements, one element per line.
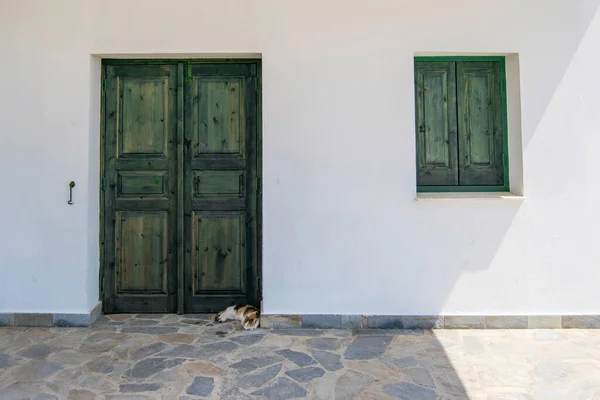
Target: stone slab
<point>581,322</point>
<point>306,374</point>
<point>354,322</point>
<point>320,343</point>
<point>297,357</point>
<point>329,361</point>
<point>322,321</point>
<point>71,320</point>
<point>283,389</point>
<point>52,319</point>
<point>261,377</point>
<point>405,390</point>
<point>201,386</point>
<point>506,322</point>
<point>385,322</point>
<point>281,321</point>
<point>367,347</point>
<point>464,322</point>
<point>544,322</point>
<point>41,320</point>
<point>423,322</point>
<point>7,319</point>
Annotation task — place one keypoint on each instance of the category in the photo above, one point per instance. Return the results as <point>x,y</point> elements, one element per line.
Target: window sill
<point>422,196</point>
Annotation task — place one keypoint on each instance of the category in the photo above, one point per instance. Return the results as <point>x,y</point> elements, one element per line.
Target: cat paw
<point>250,325</point>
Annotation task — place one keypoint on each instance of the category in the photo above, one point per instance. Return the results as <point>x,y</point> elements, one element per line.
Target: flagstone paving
<point>189,357</point>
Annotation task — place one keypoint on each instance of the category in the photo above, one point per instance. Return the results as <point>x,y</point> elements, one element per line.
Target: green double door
<point>180,186</point>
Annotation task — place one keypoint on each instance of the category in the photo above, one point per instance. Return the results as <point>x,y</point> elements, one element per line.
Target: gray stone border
<point>51,319</point>
<point>336,321</point>
<point>331,321</point>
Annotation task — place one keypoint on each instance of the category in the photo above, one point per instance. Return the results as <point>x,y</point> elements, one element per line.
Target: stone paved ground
<point>187,357</point>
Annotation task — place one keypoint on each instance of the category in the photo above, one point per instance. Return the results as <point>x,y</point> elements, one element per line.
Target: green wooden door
<point>220,186</point>
<point>180,213</point>
<point>140,263</point>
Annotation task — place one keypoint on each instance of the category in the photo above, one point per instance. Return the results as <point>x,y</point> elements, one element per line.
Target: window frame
<point>505,187</point>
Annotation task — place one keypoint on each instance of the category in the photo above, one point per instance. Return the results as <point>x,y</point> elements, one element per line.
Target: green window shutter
<point>480,131</point>
<point>436,134</point>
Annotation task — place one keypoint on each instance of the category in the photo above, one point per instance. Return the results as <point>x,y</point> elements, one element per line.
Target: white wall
<point>343,232</point>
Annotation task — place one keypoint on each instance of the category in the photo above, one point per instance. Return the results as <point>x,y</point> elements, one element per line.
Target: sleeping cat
<point>248,315</point>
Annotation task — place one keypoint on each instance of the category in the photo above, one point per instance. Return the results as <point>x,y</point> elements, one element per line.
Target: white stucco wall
<point>343,232</point>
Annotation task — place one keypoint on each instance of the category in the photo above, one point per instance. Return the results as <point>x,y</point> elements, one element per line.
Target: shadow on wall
<point>364,236</point>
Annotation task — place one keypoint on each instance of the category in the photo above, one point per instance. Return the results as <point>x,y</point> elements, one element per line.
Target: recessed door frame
<point>181,65</point>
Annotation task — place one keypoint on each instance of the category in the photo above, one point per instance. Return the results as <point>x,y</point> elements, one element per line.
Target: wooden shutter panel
<point>479,123</point>
<point>436,123</point>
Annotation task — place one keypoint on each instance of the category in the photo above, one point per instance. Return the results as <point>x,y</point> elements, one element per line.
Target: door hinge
<point>103,184</point>
<point>102,285</point>
<point>104,84</point>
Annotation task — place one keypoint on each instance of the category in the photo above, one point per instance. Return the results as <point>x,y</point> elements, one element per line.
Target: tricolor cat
<point>248,315</point>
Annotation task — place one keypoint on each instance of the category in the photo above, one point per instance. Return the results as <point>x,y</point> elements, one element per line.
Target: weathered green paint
<point>144,127</point>
<point>436,123</point>
<point>504,114</point>
<point>257,205</point>
<point>141,248</point>
<point>480,125</point>
<point>180,190</point>
<point>459,58</point>
<point>221,116</point>
<point>460,189</point>
<point>165,194</point>
<point>220,183</point>
<point>139,215</point>
<point>218,259</point>
<point>140,183</point>
<point>221,190</point>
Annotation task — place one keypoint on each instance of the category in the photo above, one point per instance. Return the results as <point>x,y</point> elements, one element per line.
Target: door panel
<point>142,248</point>
<point>219,184</point>
<point>218,261</point>
<point>220,115</point>
<point>480,123</point>
<point>436,123</point>
<point>140,220</point>
<point>220,194</point>
<point>144,113</point>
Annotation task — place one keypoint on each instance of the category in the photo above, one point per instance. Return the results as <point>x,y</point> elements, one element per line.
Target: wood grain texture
<point>460,124</point>
<point>218,262</point>
<point>140,176</point>
<point>480,123</point>
<point>221,116</point>
<point>220,183</point>
<point>142,252</point>
<point>181,174</point>
<point>220,199</point>
<point>180,190</point>
<point>436,123</point>
<point>142,183</point>
<point>144,112</point>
